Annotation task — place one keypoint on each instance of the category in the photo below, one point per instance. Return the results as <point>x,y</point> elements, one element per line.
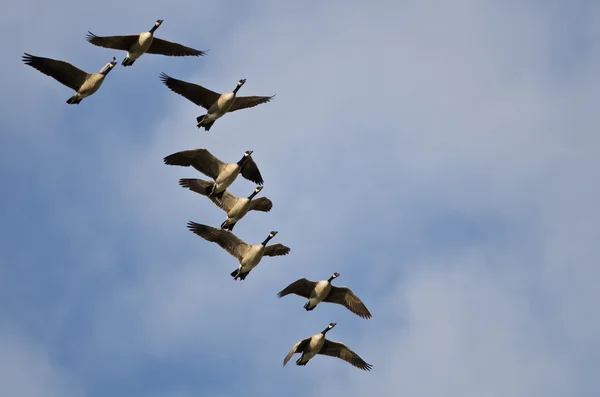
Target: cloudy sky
<point>441,156</point>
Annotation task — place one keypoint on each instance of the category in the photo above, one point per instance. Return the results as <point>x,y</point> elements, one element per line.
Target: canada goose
<point>235,207</point>
<point>85,84</point>
<point>317,344</point>
<point>249,255</point>
<point>223,173</point>
<point>216,104</point>
<point>323,291</point>
<point>137,45</point>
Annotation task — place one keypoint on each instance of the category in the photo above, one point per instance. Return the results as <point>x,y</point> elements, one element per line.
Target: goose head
<point>330,326</point>
<point>255,192</point>
<point>334,275</point>
<point>239,85</point>
<point>108,67</point>
<point>156,25</point>
<point>269,237</point>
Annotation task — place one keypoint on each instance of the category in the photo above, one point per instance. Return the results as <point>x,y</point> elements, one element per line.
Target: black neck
<point>106,70</point>
<point>325,330</point>
<point>254,193</point>
<point>243,160</point>
<point>236,89</point>
<point>153,28</point>
<point>330,279</point>
<point>264,243</point>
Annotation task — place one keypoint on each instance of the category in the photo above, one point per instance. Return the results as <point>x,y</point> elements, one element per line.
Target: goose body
<point>236,207</point>
<point>224,174</point>
<point>84,84</point>
<point>217,105</point>
<point>322,291</point>
<point>139,44</point>
<point>249,255</point>
<point>318,344</point>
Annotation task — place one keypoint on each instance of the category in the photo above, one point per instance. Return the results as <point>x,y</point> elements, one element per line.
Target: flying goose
<point>235,207</point>
<point>317,344</point>
<point>323,291</point>
<point>85,84</point>
<point>223,173</point>
<point>139,44</point>
<point>249,255</point>
<point>216,104</point>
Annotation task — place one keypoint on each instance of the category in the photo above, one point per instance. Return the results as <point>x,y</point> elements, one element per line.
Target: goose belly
<point>314,347</point>
<point>141,46</point>
<point>226,178</point>
<point>252,257</point>
<point>91,85</point>
<point>319,293</point>
<point>239,210</point>
<point>222,105</point>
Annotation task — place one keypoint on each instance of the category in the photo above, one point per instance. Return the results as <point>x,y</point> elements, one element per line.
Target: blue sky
<point>442,157</point>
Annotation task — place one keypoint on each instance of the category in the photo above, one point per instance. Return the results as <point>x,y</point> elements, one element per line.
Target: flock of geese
<point>223,174</point>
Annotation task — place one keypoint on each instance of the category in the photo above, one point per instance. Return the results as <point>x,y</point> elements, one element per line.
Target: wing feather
<point>123,42</point>
<point>227,240</point>
<point>301,287</point>
<point>61,71</point>
<point>169,48</point>
<point>244,102</point>
<point>344,296</point>
<point>340,350</point>
<point>196,93</point>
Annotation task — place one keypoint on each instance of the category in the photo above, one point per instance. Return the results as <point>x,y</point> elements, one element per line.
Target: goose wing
<point>276,250</point>
<point>200,186</point>
<point>115,42</point>
<point>298,348</point>
<point>243,102</point>
<point>61,71</point>
<point>196,93</point>
<point>201,159</point>
<point>261,204</point>
<point>227,240</point>
<point>251,172</point>
<point>340,350</point>
<point>302,287</point>
<point>169,48</point>
<point>345,296</point>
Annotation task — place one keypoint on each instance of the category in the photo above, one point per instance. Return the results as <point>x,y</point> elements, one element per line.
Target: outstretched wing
<point>61,71</point>
<point>243,102</point>
<point>339,350</point>
<point>164,47</point>
<point>115,42</point>
<point>200,186</point>
<point>298,348</point>
<point>345,296</point>
<point>201,159</point>
<point>227,240</point>
<point>261,204</point>
<point>276,250</point>
<point>196,93</point>
<point>302,287</point>
<point>251,172</point>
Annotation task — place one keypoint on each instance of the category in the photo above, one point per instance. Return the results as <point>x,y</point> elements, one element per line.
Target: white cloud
<point>395,127</point>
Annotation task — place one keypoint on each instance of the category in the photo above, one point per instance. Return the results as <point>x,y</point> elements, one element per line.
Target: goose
<point>322,291</point>
<point>139,44</point>
<point>235,207</point>
<point>85,84</point>
<point>223,173</point>
<point>249,255</point>
<point>216,104</point>
<point>317,344</point>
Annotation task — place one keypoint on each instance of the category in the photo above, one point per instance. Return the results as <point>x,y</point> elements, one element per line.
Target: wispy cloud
<point>441,157</point>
